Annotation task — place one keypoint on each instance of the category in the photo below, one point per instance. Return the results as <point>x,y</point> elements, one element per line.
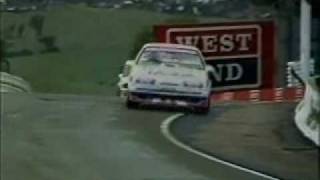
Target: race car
<point>167,74</point>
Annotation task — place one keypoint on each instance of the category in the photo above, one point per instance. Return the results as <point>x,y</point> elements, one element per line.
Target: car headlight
<point>126,70</point>
<point>145,81</point>
<point>193,84</point>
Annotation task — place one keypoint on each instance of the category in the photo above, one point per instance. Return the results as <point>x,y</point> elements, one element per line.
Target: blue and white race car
<point>167,74</point>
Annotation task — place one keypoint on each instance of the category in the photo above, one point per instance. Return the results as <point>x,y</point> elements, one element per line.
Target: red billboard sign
<point>241,53</point>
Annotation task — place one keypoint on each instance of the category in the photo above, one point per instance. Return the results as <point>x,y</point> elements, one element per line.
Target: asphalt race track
<point>97,138</point>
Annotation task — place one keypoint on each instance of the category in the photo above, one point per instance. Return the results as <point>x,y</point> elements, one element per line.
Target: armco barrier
<point>308,112</point>
<point>264,95</point>
<point>294,73</point>
<point>11,83</point>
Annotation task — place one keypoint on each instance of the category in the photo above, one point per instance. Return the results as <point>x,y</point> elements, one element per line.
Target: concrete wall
<point>308,111</point>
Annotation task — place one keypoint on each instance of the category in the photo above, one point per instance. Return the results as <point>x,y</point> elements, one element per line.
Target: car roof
<point>170,45</point>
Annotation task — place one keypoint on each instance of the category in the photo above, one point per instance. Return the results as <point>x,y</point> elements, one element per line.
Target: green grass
<point>94,43</point>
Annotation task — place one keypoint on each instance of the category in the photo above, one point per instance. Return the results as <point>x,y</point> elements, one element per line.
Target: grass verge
<point>93,44</point>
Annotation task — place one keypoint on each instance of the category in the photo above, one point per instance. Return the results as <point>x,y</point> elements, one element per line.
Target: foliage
<point>2,50</point>
<point>4,64</point>
<point>36,22</point>
<point>264,2</point>
<point>49,43</point>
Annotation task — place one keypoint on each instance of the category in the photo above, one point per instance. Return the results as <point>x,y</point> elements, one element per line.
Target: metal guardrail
<point>294,73</point>
<point>11,83</point>
<point>308,110</point>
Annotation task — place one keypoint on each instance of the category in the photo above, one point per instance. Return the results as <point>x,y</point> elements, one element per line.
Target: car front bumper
<point>167,99</point>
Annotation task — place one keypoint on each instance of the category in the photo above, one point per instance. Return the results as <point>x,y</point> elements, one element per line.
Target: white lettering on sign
<point>234,72</point>
<point>227,43</point>
<point>209,43</point>
<point>218,43</point>
<point>217,72</point>
<point>244,40</point>
<point>188,40</point>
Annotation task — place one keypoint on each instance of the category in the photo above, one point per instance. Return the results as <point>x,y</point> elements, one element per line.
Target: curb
<point>12,83</point>
<point>165,129</point>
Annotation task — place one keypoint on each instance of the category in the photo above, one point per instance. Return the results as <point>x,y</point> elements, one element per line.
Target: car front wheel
<point>131,104</point>
<point>203,110</point>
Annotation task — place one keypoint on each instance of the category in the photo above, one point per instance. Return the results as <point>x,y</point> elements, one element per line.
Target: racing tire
<point>118,92</point>
<point>203,110</point>
<point>131,104</point>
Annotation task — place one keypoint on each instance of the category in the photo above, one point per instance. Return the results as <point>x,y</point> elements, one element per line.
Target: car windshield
<point>186,58</point>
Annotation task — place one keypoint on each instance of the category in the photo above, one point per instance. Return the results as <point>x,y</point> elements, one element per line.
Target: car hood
<point>170,73</point>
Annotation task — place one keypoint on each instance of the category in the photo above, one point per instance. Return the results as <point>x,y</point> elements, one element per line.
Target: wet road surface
<point>97,138</point>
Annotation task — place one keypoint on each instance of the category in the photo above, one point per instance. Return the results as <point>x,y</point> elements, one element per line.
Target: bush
<point>49,44</point>
<point>2,49</point>
<point>36,22</point>
<point>5,65</point>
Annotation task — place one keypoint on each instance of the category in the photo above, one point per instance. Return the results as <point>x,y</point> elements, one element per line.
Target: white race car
<point>167,74</point>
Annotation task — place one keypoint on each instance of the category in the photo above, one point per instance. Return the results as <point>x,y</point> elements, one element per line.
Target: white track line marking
<point>165,126</point>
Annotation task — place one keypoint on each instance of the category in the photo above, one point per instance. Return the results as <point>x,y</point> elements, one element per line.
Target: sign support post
<point>305,38</point>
